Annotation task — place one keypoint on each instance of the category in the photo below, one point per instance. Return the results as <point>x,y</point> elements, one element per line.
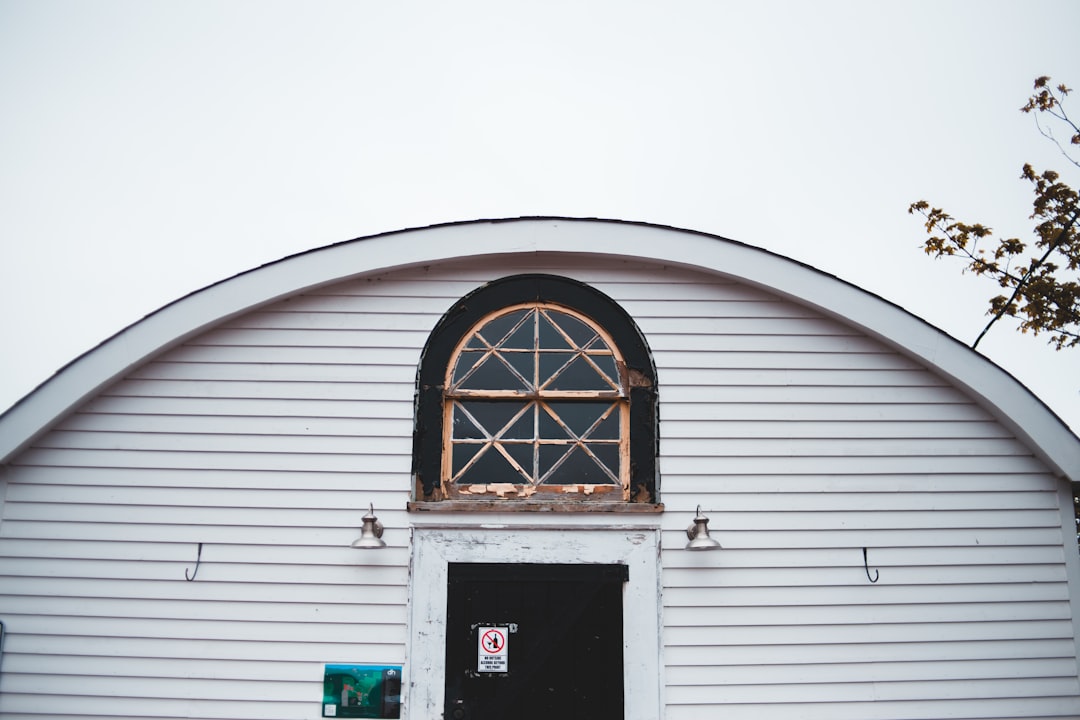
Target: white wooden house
<point>894,510</point>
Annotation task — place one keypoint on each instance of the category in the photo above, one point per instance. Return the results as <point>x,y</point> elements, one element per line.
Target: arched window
<point>536,389</point>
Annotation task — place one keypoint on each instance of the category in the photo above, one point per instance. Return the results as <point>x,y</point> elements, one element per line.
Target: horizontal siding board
<point>124,442</point>
<point>210,570</point>
<point>292,498</point>
<point>394,356</point>
<point>331,615</point>
<point>872,633</point>
<point>1017,652</point>
<point>259,518</point>
<point>225,590</point>
<point>889,499</point>
<point>855,539</point>
<point>821,465</point>
<point>910,575</point>
<point>245,425</point>
<point>998,688</point>
<point>350,462</point>
<point>226,390</point>
<point>94,685</point>
<point>283,555</point>
<point>851,614</point>
<point>393,483</point>
<point>406,304</point>
<point>807,673</point>
<point>275,407</point>
<point>276,669</point>
<point>688,401</point>
<point>856,594</point>
<point>752,377</point>
<point>268,371</point>
<point>753,351</point>
<point>1040,708</point>
<point>861,447</point>
<point>1005,482</point>
<point>216,630</point>
<point>882,519</point>
<point>319,317</point>
<point>825,429</point>
<point>359,341</point>
<point>207,534</point>
<point>909,541</point>
<point>294,649</point>
<point>14,705</point>
<point>896,407</point>
<point>714,356</point>
<point>800,557</point>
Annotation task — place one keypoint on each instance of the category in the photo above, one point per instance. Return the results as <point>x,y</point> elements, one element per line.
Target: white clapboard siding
<point>266,437</point>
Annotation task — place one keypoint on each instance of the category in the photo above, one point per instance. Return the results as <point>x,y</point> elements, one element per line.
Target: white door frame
<point>433,548</point>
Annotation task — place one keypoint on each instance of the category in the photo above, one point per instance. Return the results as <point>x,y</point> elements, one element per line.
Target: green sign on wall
<point>362,691</point>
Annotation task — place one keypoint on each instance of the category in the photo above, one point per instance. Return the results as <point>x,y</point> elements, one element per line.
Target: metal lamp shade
<point>698,533</point>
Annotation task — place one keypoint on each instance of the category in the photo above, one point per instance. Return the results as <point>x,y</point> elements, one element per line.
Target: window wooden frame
<point>637,489</point>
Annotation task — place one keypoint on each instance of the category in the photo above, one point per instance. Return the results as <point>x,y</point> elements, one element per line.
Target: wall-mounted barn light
<point>370,532</point>
<point>699,534</point>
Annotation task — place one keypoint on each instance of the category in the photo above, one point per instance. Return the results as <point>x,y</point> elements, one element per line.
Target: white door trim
<point>433,548</point>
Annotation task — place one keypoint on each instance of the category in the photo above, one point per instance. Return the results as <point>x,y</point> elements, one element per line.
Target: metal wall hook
<point>198,560</point>
<point>866,566</point>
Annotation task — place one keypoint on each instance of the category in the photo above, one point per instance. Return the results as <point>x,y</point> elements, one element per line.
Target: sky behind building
<point>152,148</point>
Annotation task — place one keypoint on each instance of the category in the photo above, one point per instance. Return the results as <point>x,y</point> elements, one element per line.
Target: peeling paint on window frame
<point>638,487</point>
<point>540,394</point>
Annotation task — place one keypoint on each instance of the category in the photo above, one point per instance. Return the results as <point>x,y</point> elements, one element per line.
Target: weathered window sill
<point>533,506</point>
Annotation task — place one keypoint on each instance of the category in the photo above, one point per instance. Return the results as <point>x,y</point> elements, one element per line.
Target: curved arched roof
<point>993,388</point>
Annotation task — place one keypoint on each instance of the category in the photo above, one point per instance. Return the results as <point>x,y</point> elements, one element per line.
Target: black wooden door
<point>534,642</point>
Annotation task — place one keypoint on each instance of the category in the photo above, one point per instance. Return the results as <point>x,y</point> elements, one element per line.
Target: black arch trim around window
<point>517,289</point>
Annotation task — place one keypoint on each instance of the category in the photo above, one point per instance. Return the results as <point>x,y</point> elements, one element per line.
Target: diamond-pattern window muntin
<point>536,397</point>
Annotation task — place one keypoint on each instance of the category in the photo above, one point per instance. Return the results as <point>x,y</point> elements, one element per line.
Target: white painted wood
<point>804,439</point>
<point>435,547</point>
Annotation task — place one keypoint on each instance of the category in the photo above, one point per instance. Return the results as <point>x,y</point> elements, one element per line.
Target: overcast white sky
<point>150,148</point>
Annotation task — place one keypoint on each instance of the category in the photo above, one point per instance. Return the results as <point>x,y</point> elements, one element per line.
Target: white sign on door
<point>492,655</point>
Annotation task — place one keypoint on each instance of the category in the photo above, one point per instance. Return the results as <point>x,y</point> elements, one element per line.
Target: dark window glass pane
<point>551,363</point>
<point>523,455</point>
<point>475,343</point>
<point>608,429</point>
<point>523,362</point>
<point>523,338</point>
<point>578,468</point>
<point>464,428</point>
<point>578,331</point>
<point>550,338</point>
<point>492,374</point>
<point>524,427</point>
<point>597,343</point>
<point>465,363</point>
<point>548,455</point>
<point>492,415</point>
<point>608,455</point>
<point>550,428</point>
<point>578,416</point>
<point>491,467</point>
<point>579,375</point>
<point>606,363</point>
<point>463,453</point>
<point>498,328</point>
